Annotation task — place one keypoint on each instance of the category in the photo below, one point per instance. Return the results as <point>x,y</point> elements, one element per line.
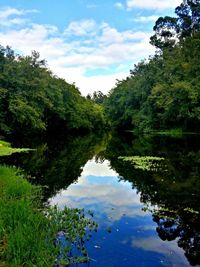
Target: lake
<point>146,216</point>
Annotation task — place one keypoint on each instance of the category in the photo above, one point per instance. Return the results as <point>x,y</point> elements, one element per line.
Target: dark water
<point>153,216</point>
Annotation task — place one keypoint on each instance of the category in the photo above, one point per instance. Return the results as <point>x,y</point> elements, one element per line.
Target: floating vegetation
<point>73,228</point>
<point>190,210</point>
<point>145,163</point>
<point>6,149</point>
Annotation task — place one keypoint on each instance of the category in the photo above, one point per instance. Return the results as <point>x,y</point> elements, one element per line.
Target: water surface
<point>133,240</point>
<point>146,218</point>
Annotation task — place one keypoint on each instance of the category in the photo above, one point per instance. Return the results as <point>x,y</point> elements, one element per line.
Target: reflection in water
<point>117,205</point>
<point>174,192</point>
<point>56,165</point>
<point>98,189</point>
<point>170,253</point>
<point>86,172</point>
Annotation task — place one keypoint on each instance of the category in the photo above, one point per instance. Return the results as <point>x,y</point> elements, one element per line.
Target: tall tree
<point>168,30</point>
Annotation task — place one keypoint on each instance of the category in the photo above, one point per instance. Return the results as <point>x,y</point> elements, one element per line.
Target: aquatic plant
<point>145,163</point>
<point>71,229</point>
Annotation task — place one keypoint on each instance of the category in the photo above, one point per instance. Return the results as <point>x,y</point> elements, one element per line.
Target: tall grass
<point>22,227</point>
<point>28,234</point>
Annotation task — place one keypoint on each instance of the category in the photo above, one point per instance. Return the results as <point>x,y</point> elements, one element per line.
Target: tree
<point>170,30</point>
<point>98,97</point>
<point>32,99</point>
<point>165,29</point>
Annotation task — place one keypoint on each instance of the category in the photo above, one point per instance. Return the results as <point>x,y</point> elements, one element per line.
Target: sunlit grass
<point>28,234</point>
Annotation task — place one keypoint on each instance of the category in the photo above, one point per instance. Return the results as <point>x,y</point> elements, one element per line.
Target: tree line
<point>163,92</point>
<point>34,100</point>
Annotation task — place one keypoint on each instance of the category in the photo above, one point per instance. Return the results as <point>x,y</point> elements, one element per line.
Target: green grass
<point>21,225</point>
<point>6,149</point>
<point>27,233</point>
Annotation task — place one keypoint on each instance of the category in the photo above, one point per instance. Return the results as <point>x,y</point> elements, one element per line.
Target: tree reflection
<point>55,165</point>
<point>185,228</point>
<point>173,190</point>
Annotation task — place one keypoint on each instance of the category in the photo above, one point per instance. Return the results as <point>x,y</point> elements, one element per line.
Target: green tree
<point>163,92</point>
<point>168,30</point>
<point>32,99</point>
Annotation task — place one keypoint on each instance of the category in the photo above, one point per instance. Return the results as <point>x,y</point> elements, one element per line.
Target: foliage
<point>32,99</point>
<point>169,29</point>
<point>163,92</point>
<point>97,96</point>
<point>29,237</point>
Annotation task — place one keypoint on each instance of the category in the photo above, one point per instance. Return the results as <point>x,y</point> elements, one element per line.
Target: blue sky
<point>91,43</point>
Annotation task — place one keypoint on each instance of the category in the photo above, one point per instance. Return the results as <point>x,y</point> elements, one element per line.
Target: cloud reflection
<point>98,188</point>
<point>98,169</point>
<point>170,251</point>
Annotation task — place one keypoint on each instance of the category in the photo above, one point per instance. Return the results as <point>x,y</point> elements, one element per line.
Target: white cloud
<point>6,16</point>
<point>83,48</point>
<point>119,5</point>
<point>152,4</point>
<point>146,19</point>
<point>87,85</point>
<point>82,27</point>
<point>9,11</point>
<point>113,36</point>
<point>11,16</point>
<point>37,37</point>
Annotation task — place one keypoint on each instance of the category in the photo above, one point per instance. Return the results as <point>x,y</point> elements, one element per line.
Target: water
<point>146,218</point>
<point>116,205</point>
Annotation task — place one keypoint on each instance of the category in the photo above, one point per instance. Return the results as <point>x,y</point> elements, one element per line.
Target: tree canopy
<point>168,30</point>
<point>32,99</point>
<point>163,92</point>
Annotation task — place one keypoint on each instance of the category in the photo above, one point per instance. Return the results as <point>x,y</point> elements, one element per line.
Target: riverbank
<point>23,227</point>
<point>29,234</point>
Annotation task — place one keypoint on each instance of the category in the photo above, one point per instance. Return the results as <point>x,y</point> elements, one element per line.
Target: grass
<point>6,149</point>
<point>22,242</point>
<point>29,235</point>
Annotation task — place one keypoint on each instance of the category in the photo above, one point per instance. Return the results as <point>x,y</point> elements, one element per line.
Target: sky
<point>91,43</point>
